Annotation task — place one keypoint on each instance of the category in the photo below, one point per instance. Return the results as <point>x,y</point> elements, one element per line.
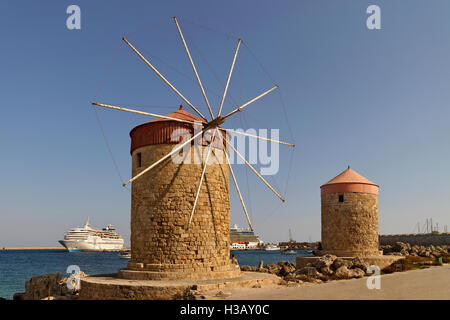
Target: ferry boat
<point>272,247</point>
<point>90,239</point>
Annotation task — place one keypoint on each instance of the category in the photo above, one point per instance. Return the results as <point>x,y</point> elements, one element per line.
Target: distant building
<point>238,245</point>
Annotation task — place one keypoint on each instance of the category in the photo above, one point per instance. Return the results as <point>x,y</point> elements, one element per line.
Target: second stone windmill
<point>180,212</point>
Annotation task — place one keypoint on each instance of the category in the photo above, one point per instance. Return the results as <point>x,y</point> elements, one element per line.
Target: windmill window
<point>341,198</point>
<point>139,160</point>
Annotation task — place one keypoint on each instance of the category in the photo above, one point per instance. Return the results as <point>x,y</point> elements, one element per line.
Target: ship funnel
<point>87,223</point>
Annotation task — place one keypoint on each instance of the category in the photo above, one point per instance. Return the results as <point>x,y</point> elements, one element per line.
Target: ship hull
<point>83,245</point>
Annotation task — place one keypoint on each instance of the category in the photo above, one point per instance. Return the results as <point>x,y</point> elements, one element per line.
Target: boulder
<point>360,264</point>
<point>339,262</point>
<point>293,277</point>
<point>247,268</point>
<point>42,286</point>
<point>19,296</point>
<point>286,269</point>
<point>328,271</point>
<point>308,271</point>
<point>358,273</point>
<point>286,263</point>
<point>424,253</point>
<point>441,250</point>
<point>386,249</point>
<point>414,249</point>
<point>399,246</point>
<point>346,273</point>
<point>325,261</point>
<point>273,268</point>
<point>299,278</point>
<point>343,272</point>
<point>435,253</point>
<point>404,252</point>
<point>47,285</point>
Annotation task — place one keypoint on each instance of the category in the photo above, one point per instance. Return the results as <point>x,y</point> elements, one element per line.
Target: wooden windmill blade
<point>163,78</point>
<point>229,77</point>
<point>235,183</point>
<point>193,67</point>
<point>201,178</point>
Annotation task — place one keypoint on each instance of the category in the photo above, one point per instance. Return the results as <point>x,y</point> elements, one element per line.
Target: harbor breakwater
<point>421,239</point>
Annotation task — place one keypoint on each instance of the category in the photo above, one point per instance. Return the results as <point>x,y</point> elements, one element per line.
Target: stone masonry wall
<point>435,239</point>
<point>350,228</point>
<point>161,205</point>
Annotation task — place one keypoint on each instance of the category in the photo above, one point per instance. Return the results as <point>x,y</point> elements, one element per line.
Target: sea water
<point>17,266</point>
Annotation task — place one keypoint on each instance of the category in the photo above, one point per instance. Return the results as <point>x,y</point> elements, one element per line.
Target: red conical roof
<point>166,131</point>
<point>349,176</point>
<point>349,181</point>
<point>182,115</point>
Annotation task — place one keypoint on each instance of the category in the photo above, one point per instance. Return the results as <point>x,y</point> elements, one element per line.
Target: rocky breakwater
<point>48,287</point>
<point>406,249</point>
<point>326,268</point>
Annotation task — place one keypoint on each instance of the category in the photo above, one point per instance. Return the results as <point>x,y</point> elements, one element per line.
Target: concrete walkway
<point>431,283</point>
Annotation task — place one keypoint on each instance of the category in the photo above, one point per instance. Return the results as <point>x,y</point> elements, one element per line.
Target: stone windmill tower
<point>180,215</point>
<point>162,245</point>
<point>350,216</point>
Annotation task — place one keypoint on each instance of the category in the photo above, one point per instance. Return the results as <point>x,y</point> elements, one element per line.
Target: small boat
<point>290,252</point>
<point>125,255</point>
<point>272,247</point>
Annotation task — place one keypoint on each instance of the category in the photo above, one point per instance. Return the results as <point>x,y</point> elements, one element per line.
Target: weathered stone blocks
<point>162,246</point>
<point>350,228</point>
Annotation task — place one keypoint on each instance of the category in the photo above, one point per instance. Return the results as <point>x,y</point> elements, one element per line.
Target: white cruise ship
<point>241,239</point>
<point>90,239</point>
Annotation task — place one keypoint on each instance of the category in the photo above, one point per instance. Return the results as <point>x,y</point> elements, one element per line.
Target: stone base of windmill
<point>113,287</point>
<point>172,271</point>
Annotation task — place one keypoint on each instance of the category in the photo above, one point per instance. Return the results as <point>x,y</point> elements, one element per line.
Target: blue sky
<point>374,99</point>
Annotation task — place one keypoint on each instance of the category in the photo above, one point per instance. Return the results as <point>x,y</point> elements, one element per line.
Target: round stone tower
<point>162,246</point>
<point>350,216</point>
